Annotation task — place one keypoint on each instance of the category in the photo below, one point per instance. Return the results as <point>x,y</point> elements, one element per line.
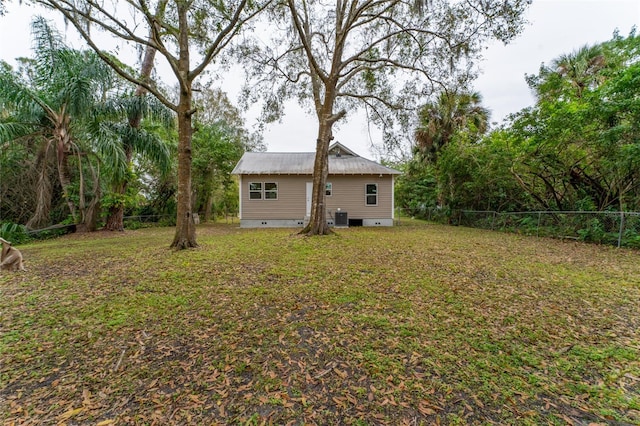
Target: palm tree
<point>133,140</point>
<point>50,103</point>
<point>438,122</point>
<point>581,68</point>
<point>119,123</point>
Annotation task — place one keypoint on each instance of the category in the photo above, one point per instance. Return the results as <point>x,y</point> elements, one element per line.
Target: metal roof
<point>301,163</point>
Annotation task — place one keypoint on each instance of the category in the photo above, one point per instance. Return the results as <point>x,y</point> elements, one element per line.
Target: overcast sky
<point>555,27</point>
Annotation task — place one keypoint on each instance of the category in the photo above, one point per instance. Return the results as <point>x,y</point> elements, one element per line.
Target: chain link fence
<point>621,229</point>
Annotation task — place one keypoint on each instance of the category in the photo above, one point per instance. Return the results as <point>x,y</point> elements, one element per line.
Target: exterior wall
<point>291,202</point>
<point>349,195</point>
<point>289,210</point>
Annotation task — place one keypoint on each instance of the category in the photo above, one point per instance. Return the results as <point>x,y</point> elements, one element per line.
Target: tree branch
<point>72,14</point>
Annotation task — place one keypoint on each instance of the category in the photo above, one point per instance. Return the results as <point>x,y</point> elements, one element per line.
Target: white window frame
<point>255,191</point>
<point>367,194</point>
<point>328,189</point>
<point>263,192</point>
<point>270,191</point>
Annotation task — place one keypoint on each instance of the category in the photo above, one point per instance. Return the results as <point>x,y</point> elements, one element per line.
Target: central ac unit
<point>342,219</point>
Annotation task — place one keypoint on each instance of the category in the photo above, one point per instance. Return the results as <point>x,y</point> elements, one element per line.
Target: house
<point>276,189</point>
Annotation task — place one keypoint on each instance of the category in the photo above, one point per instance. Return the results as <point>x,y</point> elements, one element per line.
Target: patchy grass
<point>418,324</point>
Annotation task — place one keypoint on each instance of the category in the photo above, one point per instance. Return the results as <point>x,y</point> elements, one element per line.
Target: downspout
<point>240,200</point>
<point>393,198</point>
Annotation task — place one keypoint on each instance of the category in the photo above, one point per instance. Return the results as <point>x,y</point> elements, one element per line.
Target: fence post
<point>538,226</point>
<point>621,229</point>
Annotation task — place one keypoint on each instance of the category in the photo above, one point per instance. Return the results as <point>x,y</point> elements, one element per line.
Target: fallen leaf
<point>73,412</point>
<point>340,373</point>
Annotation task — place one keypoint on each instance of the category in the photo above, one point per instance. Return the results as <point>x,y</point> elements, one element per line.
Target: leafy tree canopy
<point>384,56</point>
<point>577,148</point>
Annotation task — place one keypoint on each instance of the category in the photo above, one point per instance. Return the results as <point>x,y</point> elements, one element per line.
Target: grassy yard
<point>417,324</point>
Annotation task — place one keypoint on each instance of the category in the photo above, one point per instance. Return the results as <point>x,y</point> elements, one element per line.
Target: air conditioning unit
<point>342,219</point>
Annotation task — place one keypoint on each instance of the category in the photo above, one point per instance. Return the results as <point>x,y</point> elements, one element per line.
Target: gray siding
<point>291,202</point>
<point>348,195</point>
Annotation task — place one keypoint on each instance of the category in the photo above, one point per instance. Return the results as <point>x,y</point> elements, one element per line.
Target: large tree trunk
<point>65,183</point>
<point>63,142</point>
<point>91,214</point>
<point>94,209</point>
<point>115,215</point>
<point>185,236</point>
<point>318,220</point>
<point>115,218</point>
<point>185,227</point>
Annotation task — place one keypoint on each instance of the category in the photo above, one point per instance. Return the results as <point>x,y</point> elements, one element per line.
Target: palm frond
<point>13,131</point>
<point>47,42</point>
<point>15,95</point>
<point>105,139</point>
<point>148,107</point>
<point>150,146</point>
<point>78,94</point>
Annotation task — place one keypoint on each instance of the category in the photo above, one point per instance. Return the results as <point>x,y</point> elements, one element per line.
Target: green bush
<point>631,239</point>
<point>594,231</point>
<point>13,232</point>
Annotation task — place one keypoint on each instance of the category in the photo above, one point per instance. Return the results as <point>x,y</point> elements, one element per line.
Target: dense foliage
<point>47,125</point>
<point>189,35</point>
<point>71,156</point>
<point>218,143</point>
<point>576,149</point>
<point>579,146</point>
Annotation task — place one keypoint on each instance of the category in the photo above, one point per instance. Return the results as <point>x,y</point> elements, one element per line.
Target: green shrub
<point>593,232</point>
<point>13,232</point>
<point>631,239</point>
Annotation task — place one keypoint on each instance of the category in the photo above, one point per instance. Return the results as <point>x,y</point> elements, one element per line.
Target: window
<point>371,194</point>
<point>263,191</point>
<point>328,189</point>
<point>255,191</point>
<point>270,191</point>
